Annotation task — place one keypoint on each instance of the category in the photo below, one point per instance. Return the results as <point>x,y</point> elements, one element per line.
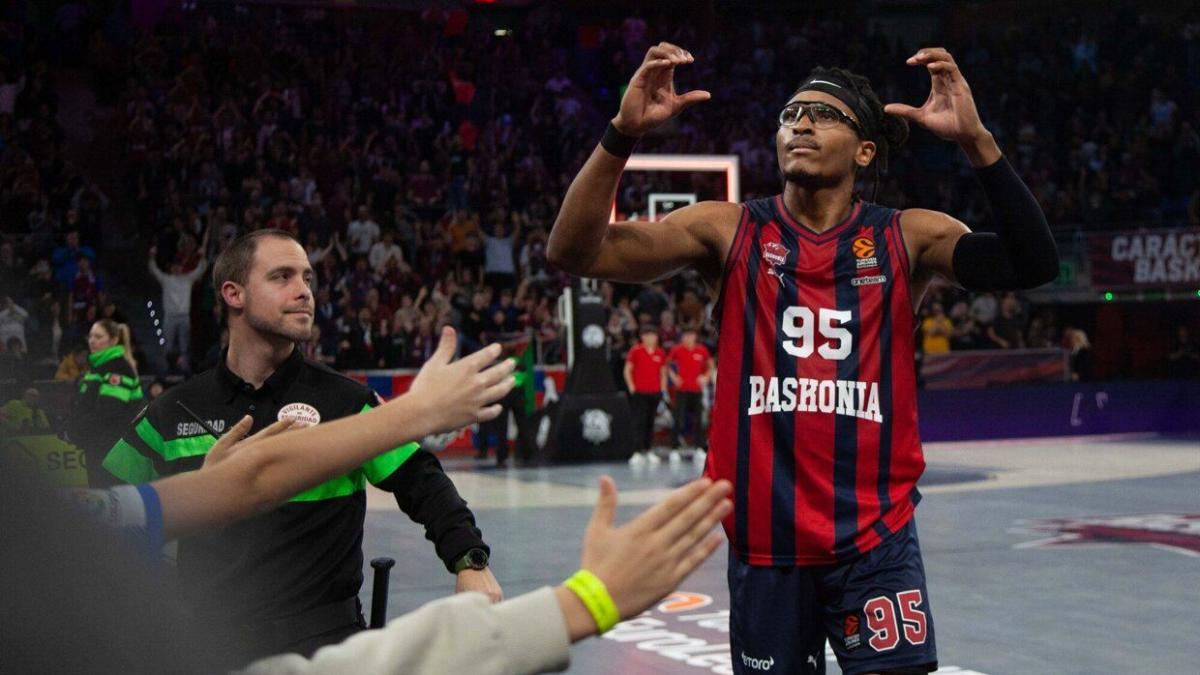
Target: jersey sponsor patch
<point>301,414</point>
<point>867,281</point>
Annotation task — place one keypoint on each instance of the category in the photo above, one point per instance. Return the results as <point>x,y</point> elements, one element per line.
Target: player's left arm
<point>1021,253</point>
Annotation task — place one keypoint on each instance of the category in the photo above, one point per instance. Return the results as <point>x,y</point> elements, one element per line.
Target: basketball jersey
<point>815,415</point>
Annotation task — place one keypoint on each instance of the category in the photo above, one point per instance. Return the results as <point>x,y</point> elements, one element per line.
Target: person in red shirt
<point>691,368</point>
<point>646,377</point>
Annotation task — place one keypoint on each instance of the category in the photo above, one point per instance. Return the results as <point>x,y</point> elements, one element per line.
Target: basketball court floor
<point>1055,556</point>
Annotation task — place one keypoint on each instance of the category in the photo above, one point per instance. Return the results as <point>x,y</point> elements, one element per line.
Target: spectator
<point>24,415</point>
<point>424,189</point>
<point>15,362</point>
<point>1079,348</point>
<point>1184,359</point>
<point>362,232</point>
<point>936,330</point>
<point>385,250</point>
<point>1008,331</point>
<point>12,321</point>
<point>66,258</point>
<point>362,346</point>
<point>86,286</point>
<point>177,305</point>
<point>72,365</point>
<point>984,308</point>
<point>499,255</point>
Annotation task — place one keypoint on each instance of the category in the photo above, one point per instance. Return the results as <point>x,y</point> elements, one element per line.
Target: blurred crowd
<point>420,158</point>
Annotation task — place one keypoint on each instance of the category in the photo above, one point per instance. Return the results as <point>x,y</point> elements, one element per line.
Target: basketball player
<point>814,419</point>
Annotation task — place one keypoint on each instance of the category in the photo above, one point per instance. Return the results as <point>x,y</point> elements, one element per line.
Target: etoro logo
<point>758,664</point>
<point>1177,532</point>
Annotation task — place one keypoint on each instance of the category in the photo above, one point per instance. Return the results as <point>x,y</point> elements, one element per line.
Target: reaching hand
<point>231,441</point>
<point>647,558</point>
<point>650,99</point>
<point>465,391</point>
<point>949,112</point>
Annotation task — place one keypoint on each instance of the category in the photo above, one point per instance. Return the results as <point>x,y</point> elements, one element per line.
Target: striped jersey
<point>815,415</point>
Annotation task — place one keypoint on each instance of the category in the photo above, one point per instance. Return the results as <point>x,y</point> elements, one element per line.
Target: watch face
<point>477,559</point>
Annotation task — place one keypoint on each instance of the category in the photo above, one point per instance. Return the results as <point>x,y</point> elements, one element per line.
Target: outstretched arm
<point>583,242</point>
<point>636,565</point>
<point>1021,253</point>
<point>263,472</point>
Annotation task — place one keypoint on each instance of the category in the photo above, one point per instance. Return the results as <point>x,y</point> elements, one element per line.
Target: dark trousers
<point>498,428</point>
<point>689,407</point>
<point>644,407</point>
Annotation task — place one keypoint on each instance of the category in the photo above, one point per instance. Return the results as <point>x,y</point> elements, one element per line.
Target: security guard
<point>290,578</point>
<point>108,395</point>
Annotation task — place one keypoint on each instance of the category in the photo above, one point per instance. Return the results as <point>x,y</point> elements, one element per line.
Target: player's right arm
<point>582,240</point>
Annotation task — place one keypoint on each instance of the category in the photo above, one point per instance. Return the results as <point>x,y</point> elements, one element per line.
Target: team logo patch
<point>776,255</point>
<point>868,281</point>
<point>114,380</point>
<point>864,250</point>
<point>1178,532</point>
<point>301,414</point>
<point>850,631</point>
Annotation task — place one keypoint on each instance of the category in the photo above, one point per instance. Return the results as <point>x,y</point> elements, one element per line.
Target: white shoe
<point>675,457</point>
<point>698,457</point>
<point>637,459</point>
<point>653,457</point>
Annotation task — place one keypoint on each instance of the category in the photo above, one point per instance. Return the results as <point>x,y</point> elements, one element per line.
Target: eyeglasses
<point>822,115</point>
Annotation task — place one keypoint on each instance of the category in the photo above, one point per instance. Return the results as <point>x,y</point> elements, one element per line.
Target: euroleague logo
<point>850,633</point>
<point>864,250</point>
<point>301,414</point>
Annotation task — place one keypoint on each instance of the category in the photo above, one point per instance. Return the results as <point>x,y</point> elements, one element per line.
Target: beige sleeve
<point>462,633</point>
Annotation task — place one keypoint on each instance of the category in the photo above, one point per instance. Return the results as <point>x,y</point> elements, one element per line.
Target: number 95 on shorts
<point>873,609</point>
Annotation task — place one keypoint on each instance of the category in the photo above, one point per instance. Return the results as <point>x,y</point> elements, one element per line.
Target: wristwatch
<point>475,559</point>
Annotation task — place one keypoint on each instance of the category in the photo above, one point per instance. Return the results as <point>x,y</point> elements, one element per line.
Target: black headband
<point>847,95</point>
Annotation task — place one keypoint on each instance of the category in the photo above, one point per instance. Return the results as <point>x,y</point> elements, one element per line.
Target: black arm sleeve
<point>425,493</point>
<point>1021,253</point>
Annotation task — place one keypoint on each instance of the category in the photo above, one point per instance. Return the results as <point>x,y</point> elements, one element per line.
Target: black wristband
<point>617,143</point>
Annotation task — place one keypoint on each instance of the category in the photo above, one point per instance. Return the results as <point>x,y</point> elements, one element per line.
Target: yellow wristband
<point>594,595</point>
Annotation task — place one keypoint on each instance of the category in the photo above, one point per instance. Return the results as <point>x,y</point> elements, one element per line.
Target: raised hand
<point>949,112</point>
<point>651,99</point>
<point>465,391</point>
<point>647,558</point>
